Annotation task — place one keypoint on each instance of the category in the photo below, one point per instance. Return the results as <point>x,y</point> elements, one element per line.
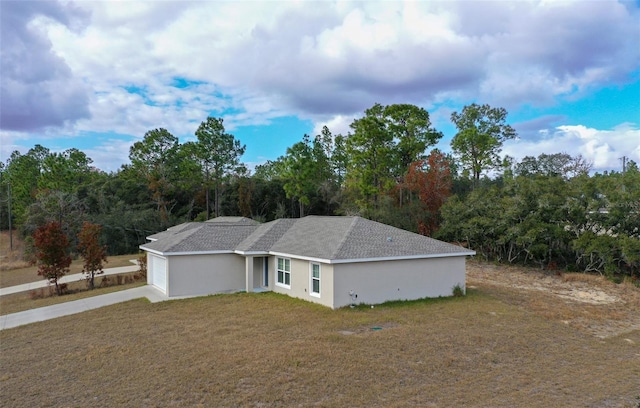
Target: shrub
<point>458,291</point>
<point>142,263</point>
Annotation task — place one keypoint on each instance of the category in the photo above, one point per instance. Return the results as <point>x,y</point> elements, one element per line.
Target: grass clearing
<point>489,348</point>
<point>589,303</point>
<point>11,258</point>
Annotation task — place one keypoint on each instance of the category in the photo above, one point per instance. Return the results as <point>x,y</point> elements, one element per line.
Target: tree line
<point>546,210</point>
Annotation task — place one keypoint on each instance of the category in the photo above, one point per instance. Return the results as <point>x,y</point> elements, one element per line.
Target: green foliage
<point>22,173</point>
<point>412,133</point>
<point>155,159</point>
<point>306,170</point>
<point>481,133</point>
<point>65,171</point>
<point>545,210</point>
<point>585,223</point>
<point>383,144</point>
<point>457,291</point>
<point>218,156</point>
<point>558,164</point>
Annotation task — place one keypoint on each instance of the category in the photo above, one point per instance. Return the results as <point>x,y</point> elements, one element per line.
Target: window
<point>315,279</point>
<point>284,272</point>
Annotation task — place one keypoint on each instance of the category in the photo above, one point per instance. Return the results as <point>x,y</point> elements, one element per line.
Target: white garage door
<point>159,272</point>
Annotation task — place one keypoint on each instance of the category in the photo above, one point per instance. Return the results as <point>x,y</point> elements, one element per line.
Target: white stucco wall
<point>301,282</point>
<point>192,275</point>
<point>378,282</point>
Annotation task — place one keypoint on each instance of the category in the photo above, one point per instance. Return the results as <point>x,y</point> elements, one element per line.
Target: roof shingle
<point>321,237</point>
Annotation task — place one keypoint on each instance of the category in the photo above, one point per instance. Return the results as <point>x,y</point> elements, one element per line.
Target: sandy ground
<point>591,303</point>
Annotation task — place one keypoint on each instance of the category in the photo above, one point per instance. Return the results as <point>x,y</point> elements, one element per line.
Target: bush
<point>458,291</point>
<point>142,263</point>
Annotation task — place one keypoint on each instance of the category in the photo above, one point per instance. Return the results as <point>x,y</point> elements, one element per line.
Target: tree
<point>65,171</point>
<point>430,179</point>
<point>385,141</point>
<point>91,251</point>
<point>339,158</point>
<point>370,149</point>
<point>306,170</point>
<point>269,170</point>
<point>481,133</point>
<point>298,173</point>
<point>218,154</point>
<point>64,208</point>
<point>51,245</point>
<point>154,158</point>
<point>411,130</point>
<point>23,173</point>
<point>557,164</point>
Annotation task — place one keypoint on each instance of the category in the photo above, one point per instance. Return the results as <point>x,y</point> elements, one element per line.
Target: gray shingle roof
<point>370,239</point>
<point>205,238</point>
<point>342,238</point>
<point>233,220</point>
<point>266,235</point>
<point>315,236</point>
<point>329,238</point>
<point>173,230</point>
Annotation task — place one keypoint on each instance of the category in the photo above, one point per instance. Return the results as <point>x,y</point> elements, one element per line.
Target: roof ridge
<point>183,235</point>
<point>260,232</point>
<point>344,238</point>
<point>251,239</point>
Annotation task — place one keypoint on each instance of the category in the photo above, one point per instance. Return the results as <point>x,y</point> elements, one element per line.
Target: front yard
<point>499,346</point>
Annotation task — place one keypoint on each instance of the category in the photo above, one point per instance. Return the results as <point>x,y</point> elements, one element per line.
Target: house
<point>334,261</point>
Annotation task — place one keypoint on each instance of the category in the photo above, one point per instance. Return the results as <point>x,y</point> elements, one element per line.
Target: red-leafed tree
<point>430,179</point>
<point>91,251</point>
<point>51,247</point>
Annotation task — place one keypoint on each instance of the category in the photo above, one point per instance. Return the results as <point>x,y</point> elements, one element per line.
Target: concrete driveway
<point>78,306</point>
<point>66,279</point>
<point>75,306</point>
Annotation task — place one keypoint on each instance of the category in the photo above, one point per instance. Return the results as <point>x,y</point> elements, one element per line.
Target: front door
<point>265,274</point>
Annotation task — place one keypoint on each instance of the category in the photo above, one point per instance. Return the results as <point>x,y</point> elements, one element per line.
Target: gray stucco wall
<point>378,282</point>
<point>205,274</point>
<point>300,281</point>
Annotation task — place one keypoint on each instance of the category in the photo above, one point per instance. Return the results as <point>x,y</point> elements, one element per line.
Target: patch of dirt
<point>588,302</point>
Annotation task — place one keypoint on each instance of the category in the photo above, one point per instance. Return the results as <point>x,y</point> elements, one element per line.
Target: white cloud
<point>324,61</point>
<point>338,125</point>
<point>604,148</point>
<point>110,155</point>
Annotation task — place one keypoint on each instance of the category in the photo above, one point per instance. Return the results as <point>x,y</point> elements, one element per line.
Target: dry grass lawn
<point>11,251</point>
<point>496,347</point>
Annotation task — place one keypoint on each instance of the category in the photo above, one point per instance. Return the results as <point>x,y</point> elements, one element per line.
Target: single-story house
<point>334,261</point>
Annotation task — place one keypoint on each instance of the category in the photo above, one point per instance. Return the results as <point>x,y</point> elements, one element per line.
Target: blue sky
<point>98,75</point>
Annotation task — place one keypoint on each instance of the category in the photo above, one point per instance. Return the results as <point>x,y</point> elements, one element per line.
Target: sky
<point>97,75</point>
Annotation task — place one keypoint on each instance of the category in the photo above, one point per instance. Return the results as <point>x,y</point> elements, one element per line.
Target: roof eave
<point>251,253</point>
<point>153,251</point>
<point>403,257</point>
<point>380,259</point>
